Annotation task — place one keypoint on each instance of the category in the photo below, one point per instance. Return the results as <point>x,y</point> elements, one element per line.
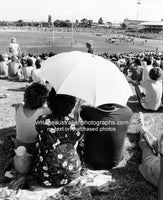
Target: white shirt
<point>146,70</point>
<point>153,94</point>
<point>36,78</point>
<point>14,49</point>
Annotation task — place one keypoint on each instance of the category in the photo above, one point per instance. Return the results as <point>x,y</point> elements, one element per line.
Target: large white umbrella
<point>86,76</point>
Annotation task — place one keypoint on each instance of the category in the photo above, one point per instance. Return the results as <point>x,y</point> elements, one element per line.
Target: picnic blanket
<point>24,187</point>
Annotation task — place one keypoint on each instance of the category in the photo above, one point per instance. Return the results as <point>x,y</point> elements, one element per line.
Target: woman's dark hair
<point>148,60</point>
<point>23,61</point>
<point>38,63</point>
<point>14,58</point>
<point>29,62</point>
<point>137,62</point>
<point>44,56</point>
<point>35,96</point>
<point>51,54</point>
<point>61,105</point>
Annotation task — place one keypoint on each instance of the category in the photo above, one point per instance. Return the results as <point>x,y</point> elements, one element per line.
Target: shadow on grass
<point>6,149</point>
<point>132,184</point>
<point>7,131</point>
<point>20,89</point>
<point>3,78</point>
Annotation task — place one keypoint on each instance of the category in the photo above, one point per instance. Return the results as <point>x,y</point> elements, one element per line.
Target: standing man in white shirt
<point>14,48</point>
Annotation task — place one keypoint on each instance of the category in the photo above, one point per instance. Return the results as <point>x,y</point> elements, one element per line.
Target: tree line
<point>84,23</point>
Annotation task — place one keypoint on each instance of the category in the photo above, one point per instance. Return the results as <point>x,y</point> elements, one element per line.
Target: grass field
<point>131,185</point>
<point>41,42</point>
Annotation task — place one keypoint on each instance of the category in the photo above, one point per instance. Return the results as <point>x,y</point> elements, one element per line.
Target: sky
<point>109,10</point>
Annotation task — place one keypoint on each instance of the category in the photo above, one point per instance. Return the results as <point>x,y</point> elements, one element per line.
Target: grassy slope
<point>131,184</point>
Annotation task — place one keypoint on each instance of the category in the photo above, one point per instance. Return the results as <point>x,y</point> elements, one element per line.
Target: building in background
<point>151,27</point>
<point>132,25</point>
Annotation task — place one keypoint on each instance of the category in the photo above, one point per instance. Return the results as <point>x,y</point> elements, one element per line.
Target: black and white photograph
<point>81,100</point>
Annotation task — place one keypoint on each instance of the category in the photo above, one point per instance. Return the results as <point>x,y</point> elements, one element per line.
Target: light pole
<point>53,31</point>
<point>72,34</point>
<point>137,16</point>
<point>138,6</point>
<point>72,26</point>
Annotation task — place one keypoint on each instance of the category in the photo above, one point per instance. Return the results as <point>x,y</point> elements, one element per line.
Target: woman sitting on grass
<point>3,66</point>
<point>58,163</point>
<point>35,97</point>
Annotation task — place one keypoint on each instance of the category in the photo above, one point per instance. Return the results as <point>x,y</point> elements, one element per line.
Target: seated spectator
<point>23,59</point>
<point>32,57</point>
<point>26,114</point>
<point>29,62</point>
<point>51,54</point>
<point>27,69</point>
<point>44,56</point>
<point>147,66</point>
<point>3,66</point>
<point>105,131</point>
<point>158,61</point>
<point>155,63</point>
<point>58,163</point>
<point>136,71</point>
<point>151,167</point>
<point>14,69</point>
<point>121,62</point>
<point>161,64</point>
<point>149,92</point>
<point>35,72</point>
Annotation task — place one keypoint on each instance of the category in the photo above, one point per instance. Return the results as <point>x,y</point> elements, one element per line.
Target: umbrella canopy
<point>86,76</point>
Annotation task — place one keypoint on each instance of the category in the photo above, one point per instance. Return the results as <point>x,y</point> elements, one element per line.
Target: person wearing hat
<point>152,88</point>
<point>14,48</point>
<point>35,73</point>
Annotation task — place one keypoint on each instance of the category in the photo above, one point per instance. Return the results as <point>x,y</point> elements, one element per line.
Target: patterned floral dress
<point>57,162</point>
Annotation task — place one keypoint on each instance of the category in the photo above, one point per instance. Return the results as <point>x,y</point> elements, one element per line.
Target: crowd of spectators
<point>135,66</point>
<point>145,72</point>
<point>20,68</point>
<point>24,68</point>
